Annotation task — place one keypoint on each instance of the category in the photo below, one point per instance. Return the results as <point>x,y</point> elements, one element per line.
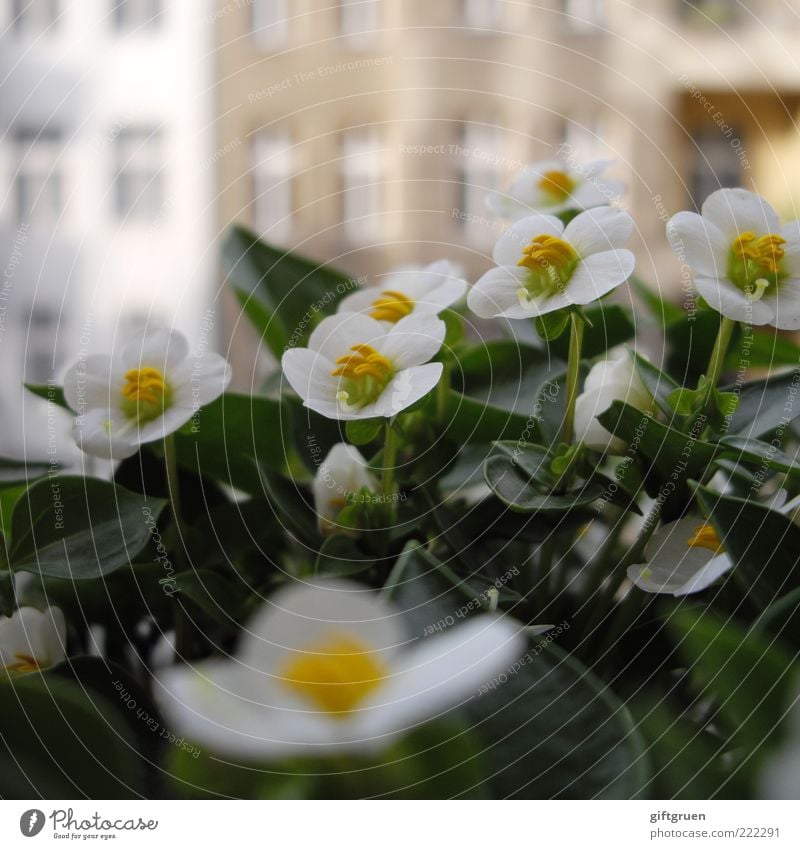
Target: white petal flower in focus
<point>422,291</point>
<point>143,393</point>
<point>32,639</point>
<point>608,381</point>
<point>553,187</point>
<point>356,368</point>
<point>543,266</point>
<point>329,669</point>
<point>343,473</point>
<point>746,263</point>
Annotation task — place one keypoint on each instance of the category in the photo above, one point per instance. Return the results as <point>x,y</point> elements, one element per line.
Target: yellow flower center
<point>550,261</point>
<point>755,262</point>
<point>558,184</point>
<point>705,537</point>
<point>146,394</point>
<point>364,375</point>
<point>335,674</point>
<point>25,663</point>
<point>391,306</point>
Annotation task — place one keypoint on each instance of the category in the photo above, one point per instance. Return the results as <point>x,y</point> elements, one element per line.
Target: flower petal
<point>495,294</point>
<point>157,347</point>
<point>699,243</point>
<point>731,302</point>
<point>414,340</point>
<point>599,274</point>
<point>93,382</point>
<point>508,249</point>
<point>442,671</point>
<point>309,374</point>
<point>335,335</point>
<point>405,389</point>
<point>735,211</point>
<point>105,433</point>
<point>600,229</point>
<point>785,304</point>
<point>41,634</point>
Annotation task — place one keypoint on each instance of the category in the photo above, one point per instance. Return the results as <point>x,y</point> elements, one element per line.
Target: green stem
<point>717,359</point>
<point>573,373</point>
<point>389,463</point>
<point>178,537</point>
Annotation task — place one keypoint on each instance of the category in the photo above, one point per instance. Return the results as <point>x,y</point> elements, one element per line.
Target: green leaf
<point>766,405</point>
<point>16,472</point>
<point>748,676</point>
<point>765,348</point>
<point>58,742</point>
<point>763,454</point>
<point>608,325</point>
<point>364,431</point>
<point>291,293</point>
<point>670,451</point>
<point>454,329</point>
<point>55,394</point>
<point>782,617</point>
<point>764,544</point>
<point>552,324</point>
<point>658,383</point>
<point>225,439</point>
<point>552,730</point>
<point>517,491</point>
<point>340,555</point>
<point>217,596</point>
<point>79,528</point>
<point>690,340</point>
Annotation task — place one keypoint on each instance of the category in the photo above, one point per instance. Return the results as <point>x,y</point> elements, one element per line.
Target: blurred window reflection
<point>32,17</point>
<point>358,19</point>
<point>138,177</point>
<point>584,15</point>
<point>715,164</point>
<point>38,181</point>
<point>269,21</point>
<point>134,14</point>
<point>272,186</point>
<point>362,190</point>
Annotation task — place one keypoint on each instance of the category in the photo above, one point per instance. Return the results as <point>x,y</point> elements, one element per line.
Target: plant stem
<point>573,372</point>
<point>389,463</point>
<point>717,359</point>
<point>178,537</point>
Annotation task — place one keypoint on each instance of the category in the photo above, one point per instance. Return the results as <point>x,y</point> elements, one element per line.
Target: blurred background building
<point>106,207</point>
<point>361,132</point>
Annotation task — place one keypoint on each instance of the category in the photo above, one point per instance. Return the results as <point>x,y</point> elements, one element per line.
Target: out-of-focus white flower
<point>780,775</point>
<point>422,290</point>
<point>543,266</point>
<point>356,368</point>
<point>327,670</point>
<point>553,187</point>
<point>32,639</point>
<point>608,381</point>
<point>683,557</point>
<point>746,263</point>
<point>343,473</point>
<point>145,392</point>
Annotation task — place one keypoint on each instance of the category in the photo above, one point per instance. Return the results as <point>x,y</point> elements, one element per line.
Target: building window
<point>136,14</point>
<point>476,171</point>
<point>272,185</point>
<point>481,14</point>
<point>582,139</point>
<point>584,15</point>
<point>715,163</point>
<point>38,179</point>
<point>40,354</point>
<point>33,17</point>
<point>137,178</point>
<point>362,189</point>
<point>269,22</point>
<point>358,20</point>
<point>719,12</point>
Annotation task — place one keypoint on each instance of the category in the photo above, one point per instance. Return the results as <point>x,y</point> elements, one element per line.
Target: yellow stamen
<point>705,537</point>
<point>335,674</point>
<point>558,184</point>
<point>368,360</point>
<point>391,306</point>
<point>547,253</point>
<point>145,395</point>
<point>25,663</point>
<point>764,251</point>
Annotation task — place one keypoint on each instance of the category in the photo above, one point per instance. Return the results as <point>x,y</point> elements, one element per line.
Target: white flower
<point>746,264</point>
<point>141,394</point>
<point>543,266</point>
<point>554,187</point>
<point>329,669</point>
<point>356,368</point>
<point>608,381</point>
<point>343,473</point>
<point>683,557</point>
<point>780,775</point>
<point>32,639</point>
<point>426,290</point>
